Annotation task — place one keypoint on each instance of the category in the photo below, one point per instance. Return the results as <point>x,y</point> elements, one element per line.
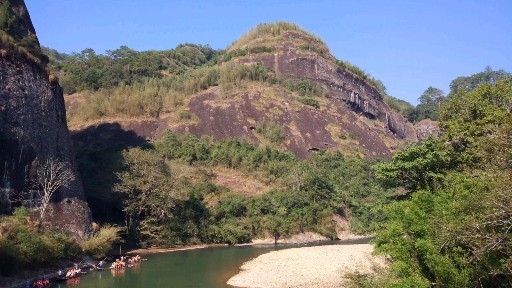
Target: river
<point>210,267</point>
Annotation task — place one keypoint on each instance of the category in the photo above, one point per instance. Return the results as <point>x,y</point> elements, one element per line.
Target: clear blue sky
<point>409,45</point>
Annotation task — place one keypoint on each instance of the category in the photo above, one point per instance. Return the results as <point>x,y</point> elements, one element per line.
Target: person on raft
<point>72,273</point>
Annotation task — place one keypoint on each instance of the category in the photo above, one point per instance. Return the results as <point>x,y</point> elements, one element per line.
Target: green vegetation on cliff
<point>90,71</point>
<point>18,41</point>
<point>270,32</point>
<point>432,99</point>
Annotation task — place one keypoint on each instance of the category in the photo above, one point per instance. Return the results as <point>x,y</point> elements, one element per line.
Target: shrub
<point>186,115</point>
<point>309,101</point>
<point>304,87</point>
<point>101,243</point>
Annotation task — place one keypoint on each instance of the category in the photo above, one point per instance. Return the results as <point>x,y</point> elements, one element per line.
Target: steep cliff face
<point>292,60</point>
<point>352,118</point>
<point>33,128</point>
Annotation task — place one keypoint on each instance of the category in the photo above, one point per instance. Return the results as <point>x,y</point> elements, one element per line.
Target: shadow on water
<point>210,267</point>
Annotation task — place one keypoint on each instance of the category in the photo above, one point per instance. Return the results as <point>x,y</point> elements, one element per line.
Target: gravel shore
<point>319,266</point>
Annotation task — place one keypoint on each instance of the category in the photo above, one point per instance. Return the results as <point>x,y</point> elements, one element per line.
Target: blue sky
<point>408,45</point>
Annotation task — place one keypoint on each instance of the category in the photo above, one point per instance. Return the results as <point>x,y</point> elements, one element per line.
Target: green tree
<point>150,196</point>
<point>429,107</point>
<point>488,76</point>
<point>455,233</point>
<point>419,166</point>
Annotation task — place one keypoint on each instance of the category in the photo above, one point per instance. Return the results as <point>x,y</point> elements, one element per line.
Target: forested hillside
<point>453,228</point>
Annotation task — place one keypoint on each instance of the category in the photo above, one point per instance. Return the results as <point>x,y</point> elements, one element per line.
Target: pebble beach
<point>319,266</point>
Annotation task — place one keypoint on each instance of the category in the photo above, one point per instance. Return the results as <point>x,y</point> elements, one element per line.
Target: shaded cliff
<point>33,126</point>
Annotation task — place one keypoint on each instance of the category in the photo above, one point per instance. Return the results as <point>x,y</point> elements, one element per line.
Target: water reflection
<point>118,272</point>
<point>73,281</point>
<point>210,268</point>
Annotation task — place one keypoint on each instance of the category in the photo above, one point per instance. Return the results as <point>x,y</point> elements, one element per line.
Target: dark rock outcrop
<point>33,128</point>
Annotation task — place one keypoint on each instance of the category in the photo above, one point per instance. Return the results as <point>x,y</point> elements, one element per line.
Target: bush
<point>101,243</point>
<point>309,101</point>
<point>304,87</point>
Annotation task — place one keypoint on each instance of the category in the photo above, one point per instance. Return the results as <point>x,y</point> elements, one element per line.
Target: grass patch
<point>305,88</point>
<point>271,131</point>
<point>274,29</point>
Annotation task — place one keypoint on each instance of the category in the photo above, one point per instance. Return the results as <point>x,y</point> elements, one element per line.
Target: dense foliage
<point>432,99</point>
<point>166,206</point>
<point>25,244</point>
<point>100,244</point>
<point>88,70</point>
<point>454,231</point>
<point>429,106</point>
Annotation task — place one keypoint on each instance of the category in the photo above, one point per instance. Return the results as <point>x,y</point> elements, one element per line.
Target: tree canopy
<point>454,231</point>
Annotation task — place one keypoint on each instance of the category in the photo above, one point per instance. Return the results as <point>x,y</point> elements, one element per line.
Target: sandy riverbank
<point>319,266</point>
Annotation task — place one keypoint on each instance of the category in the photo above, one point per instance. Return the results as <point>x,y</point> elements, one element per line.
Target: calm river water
<point>210,267</point>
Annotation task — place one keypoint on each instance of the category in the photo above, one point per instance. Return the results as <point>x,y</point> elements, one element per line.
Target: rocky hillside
<point>341,110</point>
<point>352,116</point>
<point>33,125</point>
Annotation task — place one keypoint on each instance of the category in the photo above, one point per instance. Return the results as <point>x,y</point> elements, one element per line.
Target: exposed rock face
<point>23,25</point>
<point>353,109</point>
<point>291,61</point>
<point>352,118</point>
<point>33,128</point>
<point>426,128</point>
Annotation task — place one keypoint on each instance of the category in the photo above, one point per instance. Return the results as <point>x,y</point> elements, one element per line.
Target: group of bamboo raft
<point>120,263</point>
<point>77,271</point>
<point>124,262</point>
